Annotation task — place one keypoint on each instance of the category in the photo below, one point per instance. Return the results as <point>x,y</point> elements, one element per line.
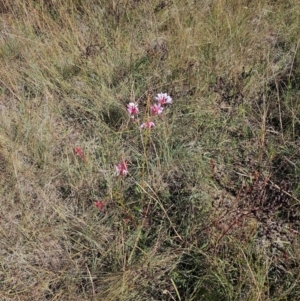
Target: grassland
<point>209,209</point>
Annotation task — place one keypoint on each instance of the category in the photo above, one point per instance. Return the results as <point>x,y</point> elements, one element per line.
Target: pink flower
<point>79,152</point>
<point>163,98</point>
<point>132,109</point>
<point>121,169</point>
<point>148,125</point>
<point>100,205</point>
<point>156,109</point>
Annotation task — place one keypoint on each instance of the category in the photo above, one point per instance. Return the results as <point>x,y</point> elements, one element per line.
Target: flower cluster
<point>155,109</point>
<point>121,169</point>
<point>132,108</point>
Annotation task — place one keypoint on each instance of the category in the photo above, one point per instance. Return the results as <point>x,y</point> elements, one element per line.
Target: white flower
<point>132,109</point>
<point>163,98</point>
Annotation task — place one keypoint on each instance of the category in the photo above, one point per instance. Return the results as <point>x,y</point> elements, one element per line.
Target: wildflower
<point>156,109</point>
<point>121,169</point>
<point>132,109</point>
<point>148,125</point>
<point>163,98</point>
<point>100,205</point>
<point>79,152</point>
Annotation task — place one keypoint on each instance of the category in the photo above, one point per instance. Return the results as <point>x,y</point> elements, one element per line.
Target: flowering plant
<point>121,169</point>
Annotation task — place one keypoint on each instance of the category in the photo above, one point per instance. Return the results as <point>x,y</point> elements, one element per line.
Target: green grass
<point>210,208</point>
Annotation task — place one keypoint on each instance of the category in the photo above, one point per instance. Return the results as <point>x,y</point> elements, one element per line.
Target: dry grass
<point>210,208</point>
